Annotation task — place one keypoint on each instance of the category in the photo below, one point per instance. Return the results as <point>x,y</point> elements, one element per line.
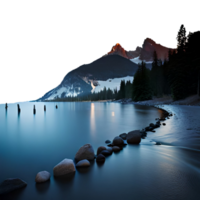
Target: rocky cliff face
<point>143,53</point>
<point>118,50</point>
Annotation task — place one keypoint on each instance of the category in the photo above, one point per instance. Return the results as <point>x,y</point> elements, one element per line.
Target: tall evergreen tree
<point>181,38</point>
<point>154,75</point>
<point>141,84</point>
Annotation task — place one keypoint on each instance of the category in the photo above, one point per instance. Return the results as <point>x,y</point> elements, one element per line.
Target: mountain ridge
<point>118,63</point>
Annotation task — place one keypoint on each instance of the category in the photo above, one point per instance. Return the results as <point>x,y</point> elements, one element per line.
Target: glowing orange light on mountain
<point>118,43</point>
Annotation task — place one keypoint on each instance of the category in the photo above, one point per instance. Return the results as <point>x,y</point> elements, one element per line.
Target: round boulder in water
<point>117,141</point>
<point>134,137</point>
<point>42,176</point>
<point>107,141</point>
<point>85,152</point>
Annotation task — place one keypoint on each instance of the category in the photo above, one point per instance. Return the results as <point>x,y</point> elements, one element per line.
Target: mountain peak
<point>117,49</point>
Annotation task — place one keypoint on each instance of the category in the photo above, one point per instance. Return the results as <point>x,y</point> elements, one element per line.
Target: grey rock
<point>83,163</point>
<point>42,176</point>
<point>134,137</point>
<point>85,152</point>
<point>65,167</point>
<point>11,184</point>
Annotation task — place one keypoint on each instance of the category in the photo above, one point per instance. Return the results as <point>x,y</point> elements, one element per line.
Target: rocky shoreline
<point>67,167</point>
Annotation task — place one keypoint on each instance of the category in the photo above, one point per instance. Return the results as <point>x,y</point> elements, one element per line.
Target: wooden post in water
<point>45,108</point>
<point>6,106</point>
<point>56,106</point>
<point>34,110</point>
<point>18,108</point>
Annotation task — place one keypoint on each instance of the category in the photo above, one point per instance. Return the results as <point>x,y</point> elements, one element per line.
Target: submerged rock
<point>134,137</point>
<point>83,163</point>
<point>110,145</point>
<point>100,158</point>
<point>107,141</point>
<point>106,153</point>
<point>123,136</point>
<point>11,184</point>
<point>116,149</point>
<point>42,176</point>
<point>85,152</point>
<point>100,149</point>
<point>158,143</point>
<point>65,167</point>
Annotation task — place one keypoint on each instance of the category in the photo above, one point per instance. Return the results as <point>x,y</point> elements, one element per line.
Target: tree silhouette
<point>141,84</point>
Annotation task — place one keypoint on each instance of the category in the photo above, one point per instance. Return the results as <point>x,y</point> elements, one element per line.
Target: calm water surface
<point>32,143</point>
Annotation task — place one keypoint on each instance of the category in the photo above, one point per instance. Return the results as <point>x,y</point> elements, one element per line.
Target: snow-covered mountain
<point>107,71</point>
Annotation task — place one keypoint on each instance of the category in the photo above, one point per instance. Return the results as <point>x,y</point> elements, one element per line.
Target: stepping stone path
<point>85,153</point>
<point>42,176</point>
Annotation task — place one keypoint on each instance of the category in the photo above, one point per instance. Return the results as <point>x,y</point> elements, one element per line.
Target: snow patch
<point>110,83</point>
<point>137,60</point>
<point>58,92</point>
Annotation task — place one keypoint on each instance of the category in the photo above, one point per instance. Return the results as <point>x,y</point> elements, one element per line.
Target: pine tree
<point>181,38</point>
<point>154,75</point>
<point>141,84</point>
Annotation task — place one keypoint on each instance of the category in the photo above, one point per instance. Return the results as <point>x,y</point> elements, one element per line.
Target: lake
<point>32,143</point>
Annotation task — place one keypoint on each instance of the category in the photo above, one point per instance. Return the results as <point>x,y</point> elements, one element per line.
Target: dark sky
<point>39,51</point>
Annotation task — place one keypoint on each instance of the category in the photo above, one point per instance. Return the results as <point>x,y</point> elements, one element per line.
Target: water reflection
<point>113,114</point>
<point>151,171</point>
<point>92,118</point>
